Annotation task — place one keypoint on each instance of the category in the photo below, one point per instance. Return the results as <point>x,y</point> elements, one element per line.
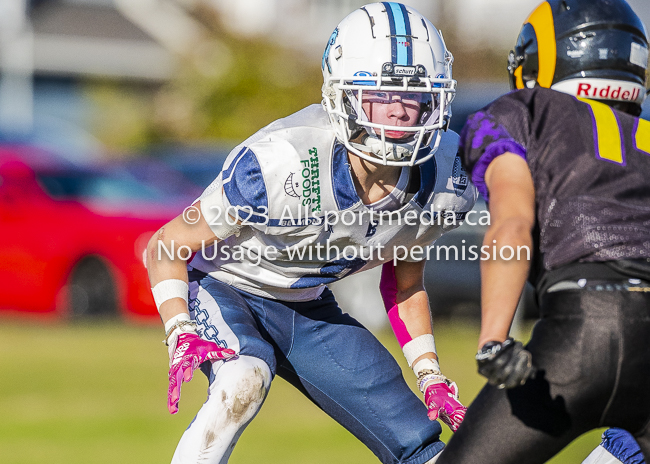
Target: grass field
<point>97,394</point>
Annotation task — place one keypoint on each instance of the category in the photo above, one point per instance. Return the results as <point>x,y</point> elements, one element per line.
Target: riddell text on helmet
<point>601,89</point>
<point>616,93</point>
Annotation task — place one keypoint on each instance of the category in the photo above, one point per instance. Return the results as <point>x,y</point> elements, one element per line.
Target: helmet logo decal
<point>439,76</point>
<point>400,33</point>
<point>363,74</point>
<point>326,53</point>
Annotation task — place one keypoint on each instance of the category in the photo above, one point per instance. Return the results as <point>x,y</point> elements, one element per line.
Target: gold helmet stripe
<point>542,21</point>
<point>520,80</point>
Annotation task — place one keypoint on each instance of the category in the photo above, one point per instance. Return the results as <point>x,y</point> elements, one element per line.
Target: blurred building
<point>477,24</point>
<point>47,47</point>
<point>302,24</point>
<point>94,38</point>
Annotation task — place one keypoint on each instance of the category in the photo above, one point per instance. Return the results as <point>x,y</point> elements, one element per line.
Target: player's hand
<point>506,365</point>
<point>441,398</point>
<point>188,354</point>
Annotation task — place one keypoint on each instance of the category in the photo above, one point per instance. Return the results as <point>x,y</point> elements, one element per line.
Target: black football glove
<point>506,365</point>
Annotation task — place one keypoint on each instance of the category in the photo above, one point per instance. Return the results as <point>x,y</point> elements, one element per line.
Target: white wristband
<point>419,346</point>
<point>168,289</point>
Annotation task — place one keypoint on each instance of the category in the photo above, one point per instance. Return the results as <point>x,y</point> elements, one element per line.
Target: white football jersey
<point>305,225</point>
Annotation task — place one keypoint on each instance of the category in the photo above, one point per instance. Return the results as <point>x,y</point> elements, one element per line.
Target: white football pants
<point>234,397</point>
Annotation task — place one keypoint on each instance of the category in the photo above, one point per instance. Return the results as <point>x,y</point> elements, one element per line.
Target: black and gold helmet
<point>594,49</point>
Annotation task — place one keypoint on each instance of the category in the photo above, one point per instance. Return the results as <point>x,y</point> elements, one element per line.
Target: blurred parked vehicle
<point>159,173</point>
<point>200,164</point>
<point>73,237</point>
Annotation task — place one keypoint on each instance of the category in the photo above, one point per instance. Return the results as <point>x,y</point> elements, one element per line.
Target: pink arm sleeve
<point>388,289</point>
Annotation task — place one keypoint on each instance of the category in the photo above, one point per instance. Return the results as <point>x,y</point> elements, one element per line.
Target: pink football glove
<point>442,400</point>
<point>188,355</point>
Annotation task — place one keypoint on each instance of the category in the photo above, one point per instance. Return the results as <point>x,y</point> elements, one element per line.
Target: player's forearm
<point>167,254</point>
<point>407,304</point>
<point>161,268</point>
<point>412,317</point>
<point>502,281</point>
<point>413,307</point>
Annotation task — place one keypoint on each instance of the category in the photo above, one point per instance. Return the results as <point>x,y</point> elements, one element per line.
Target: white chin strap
<point>394,151</point>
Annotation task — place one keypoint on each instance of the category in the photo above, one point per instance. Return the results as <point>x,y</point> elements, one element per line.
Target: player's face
<point>392,109</point>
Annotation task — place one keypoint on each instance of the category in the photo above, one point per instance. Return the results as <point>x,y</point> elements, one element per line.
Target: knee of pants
<point>239,387</point>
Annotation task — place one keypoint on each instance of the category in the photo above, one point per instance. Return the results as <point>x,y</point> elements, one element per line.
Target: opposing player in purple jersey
<point>564,162</point>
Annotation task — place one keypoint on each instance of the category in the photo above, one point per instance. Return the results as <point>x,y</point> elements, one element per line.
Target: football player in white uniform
<point>368,178</point>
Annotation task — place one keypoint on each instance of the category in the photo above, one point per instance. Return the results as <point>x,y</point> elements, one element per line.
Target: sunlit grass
<point>97,394</point>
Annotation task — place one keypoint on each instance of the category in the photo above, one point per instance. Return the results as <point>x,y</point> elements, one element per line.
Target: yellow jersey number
<point>608,136</point>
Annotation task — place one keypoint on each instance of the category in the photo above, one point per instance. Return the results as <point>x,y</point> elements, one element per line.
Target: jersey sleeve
<point>503,126</point>
<point>237,197</point>
<point>245,190</point>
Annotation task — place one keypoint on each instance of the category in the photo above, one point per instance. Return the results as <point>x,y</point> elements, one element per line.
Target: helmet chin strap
<point>394,151</point>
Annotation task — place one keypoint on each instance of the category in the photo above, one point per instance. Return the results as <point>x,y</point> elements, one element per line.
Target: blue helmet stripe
<point>391,25</point>
<point>407,44</point>
<point>400,32</point>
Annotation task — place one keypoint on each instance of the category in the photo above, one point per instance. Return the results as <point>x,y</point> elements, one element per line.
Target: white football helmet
<point>388,47</point>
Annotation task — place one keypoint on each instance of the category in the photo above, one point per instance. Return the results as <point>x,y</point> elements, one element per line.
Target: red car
<point>73,238</point>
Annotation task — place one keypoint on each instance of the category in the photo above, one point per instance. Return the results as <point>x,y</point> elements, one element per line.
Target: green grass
<point>97,394</point>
